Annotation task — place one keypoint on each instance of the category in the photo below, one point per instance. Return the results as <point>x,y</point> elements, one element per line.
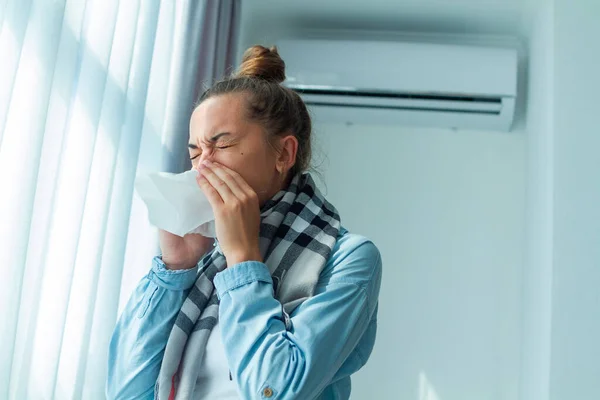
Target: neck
<point>277,186</point>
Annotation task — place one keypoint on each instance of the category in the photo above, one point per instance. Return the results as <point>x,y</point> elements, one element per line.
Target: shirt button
<point>268,392</point>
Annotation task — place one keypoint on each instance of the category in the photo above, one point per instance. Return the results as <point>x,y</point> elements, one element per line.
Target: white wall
<point>562,280</point>
<point>446,210</point>
<point>537,271</point>
<point>575,368</point>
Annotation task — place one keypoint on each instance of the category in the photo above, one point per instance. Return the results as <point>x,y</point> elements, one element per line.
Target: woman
<point>283,305</point>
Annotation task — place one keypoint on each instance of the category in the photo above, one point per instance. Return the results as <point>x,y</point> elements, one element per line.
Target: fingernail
<point>206,162</point>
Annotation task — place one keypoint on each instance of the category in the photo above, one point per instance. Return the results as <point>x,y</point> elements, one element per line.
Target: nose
<point>206,155</point>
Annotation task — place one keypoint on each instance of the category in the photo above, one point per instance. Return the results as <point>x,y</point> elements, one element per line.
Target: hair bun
<point>262,63</point>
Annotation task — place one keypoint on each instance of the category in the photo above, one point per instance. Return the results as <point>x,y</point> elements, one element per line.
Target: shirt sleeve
<point>140,336</point>
<point>271,362</point>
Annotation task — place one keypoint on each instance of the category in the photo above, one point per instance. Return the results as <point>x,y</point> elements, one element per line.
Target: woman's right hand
<point>183,252</point>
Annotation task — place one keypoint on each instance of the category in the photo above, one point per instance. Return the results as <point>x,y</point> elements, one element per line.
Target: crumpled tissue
<point>175,203</point>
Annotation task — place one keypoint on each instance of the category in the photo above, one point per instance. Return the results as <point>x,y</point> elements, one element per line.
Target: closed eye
<point>216,147</point>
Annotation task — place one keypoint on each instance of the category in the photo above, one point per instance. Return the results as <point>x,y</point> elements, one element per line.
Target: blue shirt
<point>331,336</point>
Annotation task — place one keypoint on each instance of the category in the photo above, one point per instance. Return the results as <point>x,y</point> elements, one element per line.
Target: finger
<point>213,196</point>
<point>217,183</point>
<point>224,174</point>
<point>241,182</point>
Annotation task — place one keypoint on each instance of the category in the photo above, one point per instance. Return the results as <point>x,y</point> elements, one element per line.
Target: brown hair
<point>280,110</point>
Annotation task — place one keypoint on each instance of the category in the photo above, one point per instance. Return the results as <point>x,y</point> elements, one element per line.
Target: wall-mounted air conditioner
<point>419,84</point>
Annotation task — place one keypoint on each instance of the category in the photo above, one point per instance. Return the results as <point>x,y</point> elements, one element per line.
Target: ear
<point>286,158</point>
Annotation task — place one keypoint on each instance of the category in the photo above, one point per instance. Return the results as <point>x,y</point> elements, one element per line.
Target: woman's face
<point>220,132</point>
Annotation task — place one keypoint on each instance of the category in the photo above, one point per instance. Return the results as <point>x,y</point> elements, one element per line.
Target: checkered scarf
<point>297,232</point>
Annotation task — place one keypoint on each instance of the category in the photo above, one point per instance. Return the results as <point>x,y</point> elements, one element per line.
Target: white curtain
<point>92,92</point>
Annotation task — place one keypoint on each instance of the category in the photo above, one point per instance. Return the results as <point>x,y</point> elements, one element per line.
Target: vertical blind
<point>92,92</point>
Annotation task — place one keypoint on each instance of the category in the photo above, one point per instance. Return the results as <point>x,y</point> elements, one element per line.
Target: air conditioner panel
<point>417,84</point>
<point>485,107</point>
<point>401,66</point>
<point>329,113</point>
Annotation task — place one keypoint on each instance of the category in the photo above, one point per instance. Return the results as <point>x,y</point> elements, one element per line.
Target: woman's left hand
<point>237,212</point>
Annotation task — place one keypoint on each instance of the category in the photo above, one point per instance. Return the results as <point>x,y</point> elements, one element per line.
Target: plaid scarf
<point>297,232</point>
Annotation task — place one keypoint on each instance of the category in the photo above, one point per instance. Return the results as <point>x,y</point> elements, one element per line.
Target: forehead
<point>218,114</point>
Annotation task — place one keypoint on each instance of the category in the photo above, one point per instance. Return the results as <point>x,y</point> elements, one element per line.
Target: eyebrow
<point>212,140</point>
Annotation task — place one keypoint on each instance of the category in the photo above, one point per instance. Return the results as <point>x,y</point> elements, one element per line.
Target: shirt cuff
<point>181,279</point>
<point>241,274</point>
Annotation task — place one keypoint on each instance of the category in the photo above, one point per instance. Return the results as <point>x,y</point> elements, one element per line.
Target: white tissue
<point>175,203</point>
